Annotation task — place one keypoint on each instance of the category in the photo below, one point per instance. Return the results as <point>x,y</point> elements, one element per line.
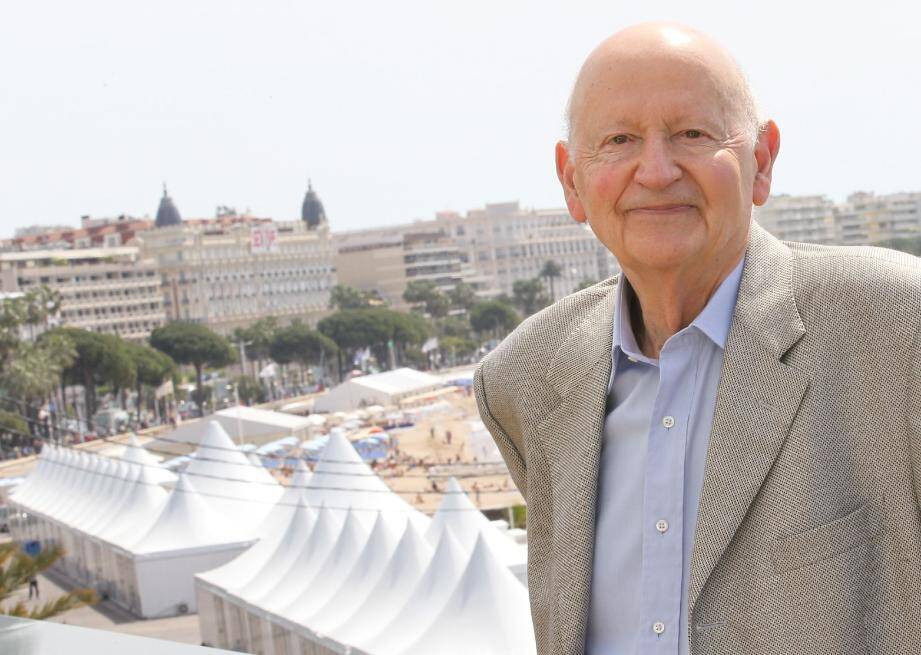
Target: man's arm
<point>914,414</point>
<point>510,452</point>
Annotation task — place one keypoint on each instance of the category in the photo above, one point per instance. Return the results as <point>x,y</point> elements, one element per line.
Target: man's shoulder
<point>530,347</point>
<point>862,273</point>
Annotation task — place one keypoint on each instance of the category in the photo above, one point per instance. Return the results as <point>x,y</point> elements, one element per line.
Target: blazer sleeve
<point>517,465</point>
<point>914,415</point>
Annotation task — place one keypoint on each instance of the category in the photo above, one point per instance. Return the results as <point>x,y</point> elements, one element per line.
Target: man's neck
<point>663,303</point>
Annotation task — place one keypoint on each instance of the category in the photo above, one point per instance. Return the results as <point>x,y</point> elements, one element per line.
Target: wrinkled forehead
<point>640,88</point>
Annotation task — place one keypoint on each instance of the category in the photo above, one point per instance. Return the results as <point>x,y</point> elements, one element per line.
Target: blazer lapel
<point>757,398</point>
<point>571,438</point>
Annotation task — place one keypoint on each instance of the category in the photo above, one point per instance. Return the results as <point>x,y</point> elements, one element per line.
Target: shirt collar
<point>713,321</point>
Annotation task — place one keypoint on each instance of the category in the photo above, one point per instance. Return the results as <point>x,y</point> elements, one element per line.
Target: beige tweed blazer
<point>809,533</point>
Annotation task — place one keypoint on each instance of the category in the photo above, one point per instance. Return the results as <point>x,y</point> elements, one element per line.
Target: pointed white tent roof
<point>467,522</point>
<point>186,522</point>
<point>106,494</point>
<point>318,545</point>
<point>97,494</point>
<point>279,516</point>
<point>487,613</point>
<point>223,474</point>
<point>145,502</point>
<point>425,600</point>
<point>342,479</point>
<point>44,475</point>
<point>82,482</point>
<point>243,424</point>
<point>332,573</point>
<point>37,478</point>
<point>263,581</point>
<point>136,454</point>
<point>404,570</point>
<point>122,498</point>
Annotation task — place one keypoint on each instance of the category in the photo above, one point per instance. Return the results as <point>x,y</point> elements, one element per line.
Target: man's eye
<point>619,139</point>
<point>693,134</point>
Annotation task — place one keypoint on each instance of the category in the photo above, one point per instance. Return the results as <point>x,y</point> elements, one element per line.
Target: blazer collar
<point>588,343</point>
<point>765,306</point>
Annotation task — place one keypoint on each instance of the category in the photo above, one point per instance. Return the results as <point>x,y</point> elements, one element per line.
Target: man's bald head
<point>655,41</point>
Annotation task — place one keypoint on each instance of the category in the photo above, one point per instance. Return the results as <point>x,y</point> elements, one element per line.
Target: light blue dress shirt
<point>653,453</point>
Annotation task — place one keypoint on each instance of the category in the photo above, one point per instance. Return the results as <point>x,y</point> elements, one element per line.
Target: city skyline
<point>397,112</point>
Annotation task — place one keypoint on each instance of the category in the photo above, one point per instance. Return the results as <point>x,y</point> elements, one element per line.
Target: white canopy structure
<point>387,388</point>
<point>135,453</point>
<point>125,535</point>
<point>487,613</point>
<point>245,425</point>
<point>232,483</point>
<point>468,524</point>
<point>334,587</point>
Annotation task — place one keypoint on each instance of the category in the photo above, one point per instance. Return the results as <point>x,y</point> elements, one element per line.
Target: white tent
<point>342,480</point>
<point>233,485</point>
<point>392,591</point>
<point>135,453</point>
<point>467,523</point>
<point>274,552</point>
<point>423,603</point>
<point>332,573</point>
<point>187,537</point>
<point>487,613</point>
<point>328,586</point>
<point>249,425</point>
<point>387,388</point>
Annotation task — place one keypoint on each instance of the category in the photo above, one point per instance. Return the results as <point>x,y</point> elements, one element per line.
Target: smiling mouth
<point>663,209</point>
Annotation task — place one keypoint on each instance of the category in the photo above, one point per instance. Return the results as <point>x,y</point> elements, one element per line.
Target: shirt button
<point>658,627</point>
<point>631,359</point>
<point>668,422</point>
<point>662,525</point>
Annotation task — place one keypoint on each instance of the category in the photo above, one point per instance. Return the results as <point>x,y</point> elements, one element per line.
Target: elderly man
<point>721,448</point>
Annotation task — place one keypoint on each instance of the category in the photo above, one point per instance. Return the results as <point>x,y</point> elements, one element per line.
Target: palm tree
<point>550,271</point>
<point>17,568</point>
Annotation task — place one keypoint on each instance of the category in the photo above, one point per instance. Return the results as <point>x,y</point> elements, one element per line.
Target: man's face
<point>660,165</point>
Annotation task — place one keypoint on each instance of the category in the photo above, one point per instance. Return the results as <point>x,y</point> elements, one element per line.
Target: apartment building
<point>387,259</point>
<point>809,219</point>
<point>114,290</point>
<point>488,248</point>
<point>231,270</point>
<point>503,243</point>
<point>866,218</point>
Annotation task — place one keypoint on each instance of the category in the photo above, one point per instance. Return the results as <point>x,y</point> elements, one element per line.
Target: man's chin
<point>662,251</point>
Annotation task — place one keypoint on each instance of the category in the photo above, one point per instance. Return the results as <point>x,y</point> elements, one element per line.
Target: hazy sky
<point>399,109</point>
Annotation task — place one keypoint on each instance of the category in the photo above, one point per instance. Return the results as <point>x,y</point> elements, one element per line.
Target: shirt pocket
<point>856,529</point>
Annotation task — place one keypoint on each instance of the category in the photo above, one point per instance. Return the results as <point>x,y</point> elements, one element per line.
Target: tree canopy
<point>100,359</point>
<point>426,295</point>
<point>530,295</point>
<point>493,317</point>
<point>298,343</point>
<point>344,297</point>
<point>195,344</point>
<point>550,272</point>
<point>373,328</point>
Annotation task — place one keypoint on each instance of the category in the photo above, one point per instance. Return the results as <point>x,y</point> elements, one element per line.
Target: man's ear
<point>565,171</point>
<point>765,155</point>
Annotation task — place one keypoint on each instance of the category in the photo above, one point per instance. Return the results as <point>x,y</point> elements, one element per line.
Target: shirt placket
<point>663,501</point>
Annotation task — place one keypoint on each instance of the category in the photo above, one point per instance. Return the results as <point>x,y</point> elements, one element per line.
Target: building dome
<point>312,211</point>
<point>167,214</point>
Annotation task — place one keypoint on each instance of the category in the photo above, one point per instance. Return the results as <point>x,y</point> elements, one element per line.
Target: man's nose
<point>657,168</point>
